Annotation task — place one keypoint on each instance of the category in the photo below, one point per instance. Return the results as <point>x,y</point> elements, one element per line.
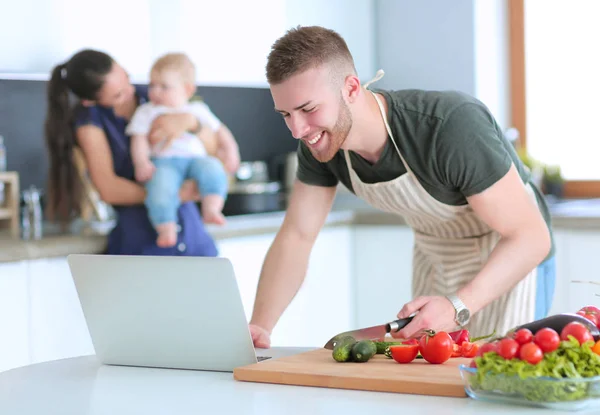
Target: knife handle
<point>397,325</point>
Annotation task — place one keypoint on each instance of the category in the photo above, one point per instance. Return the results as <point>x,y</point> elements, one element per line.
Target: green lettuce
<point>560,376</point>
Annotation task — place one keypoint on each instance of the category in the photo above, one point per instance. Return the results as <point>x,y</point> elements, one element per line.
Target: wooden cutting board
<point>381,374</point>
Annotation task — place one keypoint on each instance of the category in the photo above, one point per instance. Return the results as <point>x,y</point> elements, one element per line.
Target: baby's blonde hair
<point>178,62</point>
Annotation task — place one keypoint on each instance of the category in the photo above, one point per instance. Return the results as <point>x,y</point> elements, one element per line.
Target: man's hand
<point>260,337</point>
<point>168,127</point>
<point>436,313</point>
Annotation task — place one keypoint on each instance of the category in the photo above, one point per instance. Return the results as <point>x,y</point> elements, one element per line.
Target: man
<point>439,159</point>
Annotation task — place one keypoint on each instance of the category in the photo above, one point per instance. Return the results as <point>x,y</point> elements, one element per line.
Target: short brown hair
<point>179,62</point>
<point>303,48</point>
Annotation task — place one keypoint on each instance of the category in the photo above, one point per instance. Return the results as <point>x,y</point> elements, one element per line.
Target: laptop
<point>164,311</point>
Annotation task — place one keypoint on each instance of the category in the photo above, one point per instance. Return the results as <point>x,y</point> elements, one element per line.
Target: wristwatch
<point>463,315</point>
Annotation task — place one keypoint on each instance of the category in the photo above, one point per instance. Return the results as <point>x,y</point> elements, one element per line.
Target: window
<point>555,82</point>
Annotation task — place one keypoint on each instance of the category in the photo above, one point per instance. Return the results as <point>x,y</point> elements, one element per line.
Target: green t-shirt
<point>450,140</point>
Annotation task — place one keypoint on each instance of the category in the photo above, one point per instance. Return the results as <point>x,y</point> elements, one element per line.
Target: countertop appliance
<point>252,191</point>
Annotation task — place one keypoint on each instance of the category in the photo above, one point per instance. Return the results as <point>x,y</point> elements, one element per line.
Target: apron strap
<point>378,75</point>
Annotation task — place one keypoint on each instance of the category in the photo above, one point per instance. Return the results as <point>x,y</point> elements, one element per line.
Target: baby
<point>163,169</point>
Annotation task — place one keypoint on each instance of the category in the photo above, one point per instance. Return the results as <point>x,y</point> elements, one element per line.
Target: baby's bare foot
<point>212,206</point>
<point>167,235</point>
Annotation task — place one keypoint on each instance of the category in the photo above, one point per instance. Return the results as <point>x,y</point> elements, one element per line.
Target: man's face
<point>314,111</point>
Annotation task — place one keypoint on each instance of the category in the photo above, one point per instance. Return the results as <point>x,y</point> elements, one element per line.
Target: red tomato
<point>593,317</point>
<point>508,348</point>
<point>456,350</point>
<point>487,347</point>
<point>590,309</point>
<point>411,341</point>
<point>577,330</point>
<point>547,338</point>
<point>523,336</point>
<point>531,353</point>
<point>469,349</point>
<point>436,347</point>
<point>404,353</point>
<point>473,364</point>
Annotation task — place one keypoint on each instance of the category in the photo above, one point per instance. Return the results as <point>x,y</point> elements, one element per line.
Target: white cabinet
<point>323,306</point>
<point>58,327</point>
<point>14,316</point>
<point>246,255</point>
<point>382,272</point>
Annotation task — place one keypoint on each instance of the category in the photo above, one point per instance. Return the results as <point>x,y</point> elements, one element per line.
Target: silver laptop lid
<point>162,311</point>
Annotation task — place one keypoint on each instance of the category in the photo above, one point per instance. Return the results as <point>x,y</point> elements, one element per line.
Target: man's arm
<point>525,241</point>
<point>286,261</point>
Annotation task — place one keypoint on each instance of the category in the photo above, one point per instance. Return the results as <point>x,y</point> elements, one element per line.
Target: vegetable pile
<point>433,347</point>
<point>550,364</point>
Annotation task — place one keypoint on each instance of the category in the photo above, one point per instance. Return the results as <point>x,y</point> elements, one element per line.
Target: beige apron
<point>451,245</point>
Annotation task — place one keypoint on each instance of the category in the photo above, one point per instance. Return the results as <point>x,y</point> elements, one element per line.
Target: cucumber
<point>363,350</point>
<point>381,346</point>
<point>342,352</point>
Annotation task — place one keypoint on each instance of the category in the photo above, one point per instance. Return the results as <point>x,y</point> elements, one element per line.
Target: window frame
<point>518,99</point>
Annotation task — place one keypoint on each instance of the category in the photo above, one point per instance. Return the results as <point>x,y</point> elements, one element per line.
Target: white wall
<point>229,40</point>
<point>440,44</point>
<point>426,44</point>
<point>354,20</point>
<point>492,82</point>
<point>431,44</point>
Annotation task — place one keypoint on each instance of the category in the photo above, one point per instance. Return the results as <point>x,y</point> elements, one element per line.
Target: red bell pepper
<point>460,336</point>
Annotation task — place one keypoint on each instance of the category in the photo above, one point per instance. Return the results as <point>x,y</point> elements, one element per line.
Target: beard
<point>336,136</point>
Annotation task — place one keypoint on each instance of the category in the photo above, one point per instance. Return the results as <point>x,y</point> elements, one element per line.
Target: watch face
<point>463,316</point>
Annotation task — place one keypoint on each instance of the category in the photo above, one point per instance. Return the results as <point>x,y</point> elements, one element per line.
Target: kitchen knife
<point>371,333</point>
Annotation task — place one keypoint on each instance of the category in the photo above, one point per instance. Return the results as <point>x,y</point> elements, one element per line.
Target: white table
<point>82,386</point>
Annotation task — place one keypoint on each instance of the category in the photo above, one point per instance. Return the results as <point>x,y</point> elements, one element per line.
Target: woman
<point>96,125</point>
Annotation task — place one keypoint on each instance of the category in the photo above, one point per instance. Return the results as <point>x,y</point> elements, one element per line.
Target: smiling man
<point>483,256</point>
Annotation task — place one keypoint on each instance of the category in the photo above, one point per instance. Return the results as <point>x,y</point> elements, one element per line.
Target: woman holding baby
<point>97,124</point>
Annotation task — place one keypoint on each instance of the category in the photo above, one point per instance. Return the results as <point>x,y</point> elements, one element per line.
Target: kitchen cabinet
<point>58,327</point>
<point>382,261</point>
<point>322,306</point>
<point>246,254</point>
<point>14,316</point>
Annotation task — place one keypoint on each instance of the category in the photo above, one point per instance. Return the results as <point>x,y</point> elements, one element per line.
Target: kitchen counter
<point>347,210</point>
<point>81,386</point>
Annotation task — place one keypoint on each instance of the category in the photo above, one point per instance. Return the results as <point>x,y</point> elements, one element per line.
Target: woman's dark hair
<point>82,76</point>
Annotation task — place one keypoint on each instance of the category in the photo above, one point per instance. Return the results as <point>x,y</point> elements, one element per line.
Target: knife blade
<point>370,333</point>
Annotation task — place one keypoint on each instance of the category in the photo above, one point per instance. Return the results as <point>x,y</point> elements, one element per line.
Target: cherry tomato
<point>531,353</point>
<point>436,347</point>
<point>469,349</point>
<point>596,348</point>
<point>590,309</point>
<point>404,353</point>
<point>487,347</point>
<point>577,330</point>
<point>547,338</point>
<point>523,336</point>
<point>508,348</point>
